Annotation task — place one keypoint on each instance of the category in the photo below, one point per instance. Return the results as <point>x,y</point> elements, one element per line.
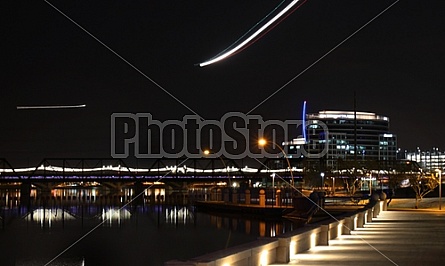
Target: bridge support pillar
<point>25,194</point>
<point>44,194</point>
<point>138,196</point>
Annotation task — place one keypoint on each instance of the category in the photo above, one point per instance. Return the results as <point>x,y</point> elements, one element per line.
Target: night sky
<point>395,65</point>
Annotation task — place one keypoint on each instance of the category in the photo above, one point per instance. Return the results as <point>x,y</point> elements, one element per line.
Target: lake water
<point>76,226</point>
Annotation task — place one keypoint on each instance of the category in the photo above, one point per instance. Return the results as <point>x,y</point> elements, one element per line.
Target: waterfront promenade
<point>400,236</point>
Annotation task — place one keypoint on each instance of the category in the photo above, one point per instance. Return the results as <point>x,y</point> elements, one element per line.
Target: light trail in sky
<point>50,107</point>
<point>284,13</point>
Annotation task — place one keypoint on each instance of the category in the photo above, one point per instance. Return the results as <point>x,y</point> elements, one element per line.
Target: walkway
<point>396,237</point>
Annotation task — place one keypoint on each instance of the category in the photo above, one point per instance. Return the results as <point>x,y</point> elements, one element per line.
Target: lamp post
<point>440,188</point>
<point>322,181</point>
<point>370,183</point>
<point>273,179</point>
<point>273,188</point>
<point>263,142</point>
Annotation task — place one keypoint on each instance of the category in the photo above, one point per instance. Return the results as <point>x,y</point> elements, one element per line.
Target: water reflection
<point>178,215</point>
<point>114,215</point>
<point>156,229</point>
<point>96,205</point>
<point>252,226</point>
<point>46,217</point>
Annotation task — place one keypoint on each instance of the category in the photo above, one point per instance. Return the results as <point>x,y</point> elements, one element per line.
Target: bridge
<point>192,169</point>
<point>106,169</point>
<point>178,175</point>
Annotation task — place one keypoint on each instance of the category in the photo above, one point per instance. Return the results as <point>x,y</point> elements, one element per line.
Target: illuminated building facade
<point>334,135</point>
<point>429,161</point>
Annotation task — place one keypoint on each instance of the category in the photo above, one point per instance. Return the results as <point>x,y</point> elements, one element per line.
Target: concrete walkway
<point>402,236</point>
<point>424,204</point>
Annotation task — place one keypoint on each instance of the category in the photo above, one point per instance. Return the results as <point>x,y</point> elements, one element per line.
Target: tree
<point>352,184</point>
<point>409,170</point>
<point>396,180</point>
<point>422,185</point>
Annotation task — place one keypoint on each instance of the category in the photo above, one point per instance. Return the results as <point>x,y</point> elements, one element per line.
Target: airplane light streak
<point>50,107</point>
<point>252,37</point>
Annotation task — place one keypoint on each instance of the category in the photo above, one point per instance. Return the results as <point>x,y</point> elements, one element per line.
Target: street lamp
<point>440,188</point>
<point>322,181</point>
<point>273,187</point>
<point>273,179</point>
<point>263,142</point>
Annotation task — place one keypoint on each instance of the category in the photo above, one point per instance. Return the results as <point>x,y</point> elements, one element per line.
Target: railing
<point>279,250</point>
<point>280,197</point>
<point>345,200</point>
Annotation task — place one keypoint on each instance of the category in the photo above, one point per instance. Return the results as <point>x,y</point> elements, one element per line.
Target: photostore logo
<point>235,136</point>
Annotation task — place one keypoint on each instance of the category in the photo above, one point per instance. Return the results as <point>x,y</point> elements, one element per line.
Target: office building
<point>346,135</point>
